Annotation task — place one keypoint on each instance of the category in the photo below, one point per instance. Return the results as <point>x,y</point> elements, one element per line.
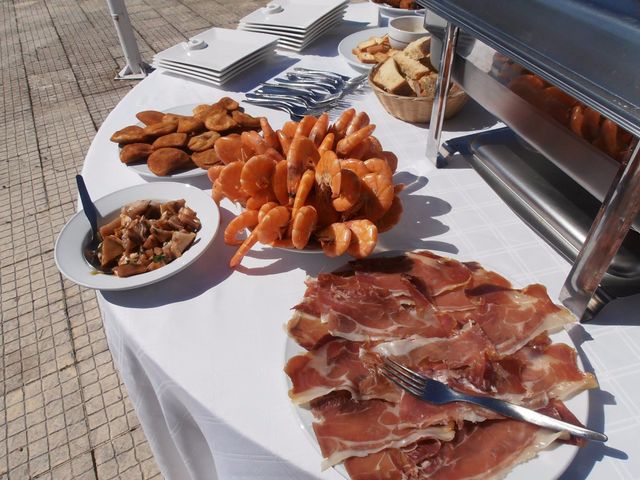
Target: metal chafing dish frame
<point>615,97</point>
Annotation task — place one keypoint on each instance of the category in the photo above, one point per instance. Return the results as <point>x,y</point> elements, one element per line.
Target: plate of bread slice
<point>366,48</point>
<point>405,84</point>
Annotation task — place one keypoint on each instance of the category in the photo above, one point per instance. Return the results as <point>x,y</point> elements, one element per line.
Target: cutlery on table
<point>296,111</point>
<point>436,392</point>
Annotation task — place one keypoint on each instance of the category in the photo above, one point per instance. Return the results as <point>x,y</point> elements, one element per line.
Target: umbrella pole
<point>135,69</point>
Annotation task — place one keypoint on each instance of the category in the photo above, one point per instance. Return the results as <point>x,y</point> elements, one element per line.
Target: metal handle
<point>521,413</point>
<point>87,205</point>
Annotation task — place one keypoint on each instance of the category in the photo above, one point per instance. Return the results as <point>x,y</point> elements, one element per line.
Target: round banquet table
<point>202,353</point>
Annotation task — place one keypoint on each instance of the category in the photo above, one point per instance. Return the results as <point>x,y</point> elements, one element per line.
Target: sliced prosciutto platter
<point>455,322</point>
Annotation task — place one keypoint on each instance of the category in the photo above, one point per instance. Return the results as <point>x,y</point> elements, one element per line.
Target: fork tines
<point>403,377</point>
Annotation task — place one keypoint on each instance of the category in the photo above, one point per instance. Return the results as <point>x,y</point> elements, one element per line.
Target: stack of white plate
<point>216,55</point>
<point>296,23</point>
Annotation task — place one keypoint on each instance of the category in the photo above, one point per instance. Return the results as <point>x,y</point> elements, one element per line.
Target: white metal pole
<point>135,68</point>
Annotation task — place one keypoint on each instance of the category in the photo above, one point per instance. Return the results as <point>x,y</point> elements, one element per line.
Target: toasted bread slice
<point>410,68</point>
<point>424,86</point>
<point>389,78</point>
<point>418,49</point>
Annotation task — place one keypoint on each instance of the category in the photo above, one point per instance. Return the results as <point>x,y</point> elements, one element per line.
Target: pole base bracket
<point>127,72</point>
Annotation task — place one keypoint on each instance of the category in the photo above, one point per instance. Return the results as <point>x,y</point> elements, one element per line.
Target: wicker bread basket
<point>416,109</point>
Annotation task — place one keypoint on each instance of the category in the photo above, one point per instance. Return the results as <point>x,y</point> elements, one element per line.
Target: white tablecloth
<point>202,353</point>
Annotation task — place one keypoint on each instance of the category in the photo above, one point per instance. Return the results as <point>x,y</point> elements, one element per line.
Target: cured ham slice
<point>547,372</point>
<point>307,330</point>
<point>345,428</point>
<point>478,452</point>
<point>437,274</point>
<point>457,300</point>
<point>510,318</point>
<point>464,355</point>
<point>531,377</point>
<point>334,366</point>
<point>373,307</point>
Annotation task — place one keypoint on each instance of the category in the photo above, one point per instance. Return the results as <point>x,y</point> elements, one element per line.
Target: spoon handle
<point>87,205</point>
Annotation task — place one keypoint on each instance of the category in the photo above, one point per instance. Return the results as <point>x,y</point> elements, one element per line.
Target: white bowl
<point>404,30</point>
<point>74,236</point>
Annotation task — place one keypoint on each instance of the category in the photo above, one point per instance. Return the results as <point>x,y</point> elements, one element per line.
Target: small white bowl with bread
<point>405,84</point>
<point>404,30</point>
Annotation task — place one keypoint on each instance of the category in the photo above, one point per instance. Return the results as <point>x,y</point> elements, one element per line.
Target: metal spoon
<point>89,209</point>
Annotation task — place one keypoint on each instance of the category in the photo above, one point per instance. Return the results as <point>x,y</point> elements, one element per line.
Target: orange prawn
<point>319,130</point>
<point>327,143</point>
<point>279,182</point>
<point>269,135</point>
<point>350,188</point>
<point>304,223</point>
<point>302,153</point>
<point>360,120</point>
<point>247,219</point>
<point>266,231</point>
<point>305,126</point>
<point>350,142</point>
<point>335,239</point>
<point>342,123</point>
<point>364,236</point>
<point>257,174</point>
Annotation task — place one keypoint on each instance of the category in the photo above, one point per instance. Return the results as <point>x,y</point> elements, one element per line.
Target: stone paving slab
<point>64,412</point>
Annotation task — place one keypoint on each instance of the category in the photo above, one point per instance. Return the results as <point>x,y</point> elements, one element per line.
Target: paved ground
<point>64,412</point>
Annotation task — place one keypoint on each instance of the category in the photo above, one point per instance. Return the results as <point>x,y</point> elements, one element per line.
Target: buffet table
<point>202,352</point>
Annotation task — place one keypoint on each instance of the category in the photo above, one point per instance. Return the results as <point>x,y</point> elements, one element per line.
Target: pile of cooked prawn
<point>309,185</point>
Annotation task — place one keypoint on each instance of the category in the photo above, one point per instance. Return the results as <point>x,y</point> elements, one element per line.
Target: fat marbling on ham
<point>455,322</point>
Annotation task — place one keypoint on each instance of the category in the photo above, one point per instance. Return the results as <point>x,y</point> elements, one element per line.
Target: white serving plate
<point>396,12</point>
<point>549,463</point>
<point>284,31</point>
<point>295,14</point>
<point>349,43</point>
<point>142,169</point>
<point>225,48</point>
<point>75,234</point>
<point>309,40</point>
<point>217,82</point>
<point>268,50</point>
<point>220,77</point>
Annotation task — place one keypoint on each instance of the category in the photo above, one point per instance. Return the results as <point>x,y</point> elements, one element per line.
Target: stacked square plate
<point>216,55</point>
<point>296,23</point>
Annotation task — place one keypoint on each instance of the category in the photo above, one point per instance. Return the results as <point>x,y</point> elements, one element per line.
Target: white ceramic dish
<point>550,463</point>
<point>268,50</point>
<point>142,169</point>
<point>219,77</point>
<point>295,14</point>
<point>284,30</point>
<point>225,48</point>
<point>404,30</point>
<point>349,43</point>
<point>75,235</point>
<point>390,11</point>
<point>322,26</point>
<point>216,82</point>
<point>287,43</point>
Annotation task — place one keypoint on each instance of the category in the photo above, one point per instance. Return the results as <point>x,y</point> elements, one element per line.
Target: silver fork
<point>433,391</point>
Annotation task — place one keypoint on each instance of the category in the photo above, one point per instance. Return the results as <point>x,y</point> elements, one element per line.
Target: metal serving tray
<point>588,48</point>
<point>591,168</point>
<point>549,201</point>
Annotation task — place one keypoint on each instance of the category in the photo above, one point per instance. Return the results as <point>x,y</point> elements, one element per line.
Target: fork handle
<point>521,413</point>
